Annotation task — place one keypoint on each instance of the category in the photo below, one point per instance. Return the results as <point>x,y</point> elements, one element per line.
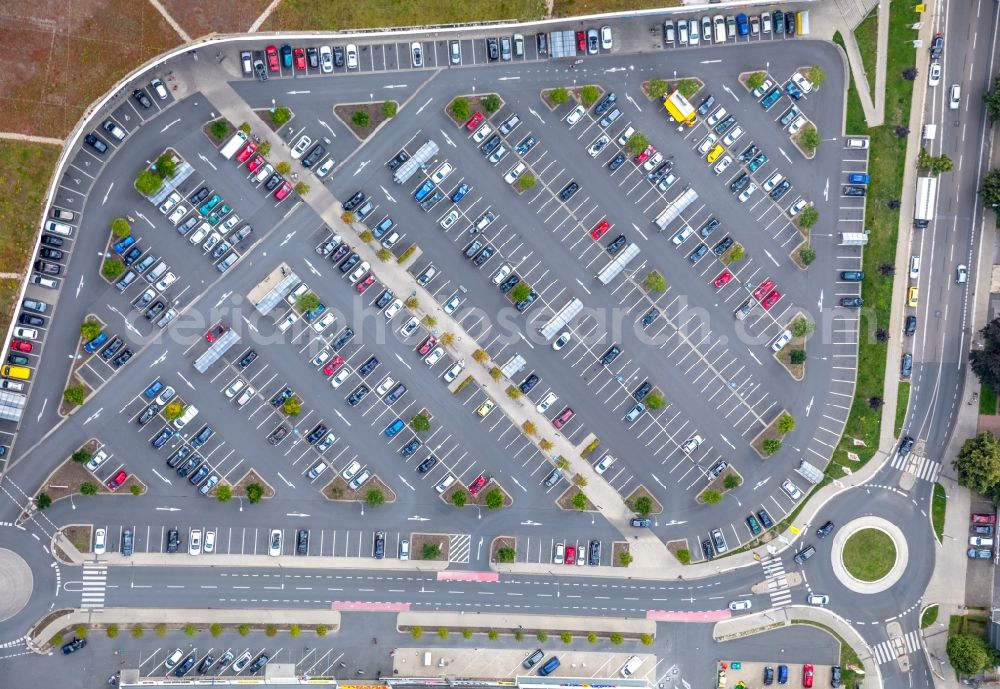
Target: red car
<point>20,346</point>
<point>478,484</point>
<point>581,42</point>
<point>600,229</point>
<point>255,163</point>
<point>427,345</point>
<point>300,58</point>
<point>365,283</point>
<point>764,288</point>
<point>563,417</point>
<point>474,122</point>
<point>334,363</point>
<point>570,558</point>
<point>807,675</point>
<point>723,279</point>
<point>215,331</point>
<point>272,58</point>
<point>644,156</point>
<point>283,191</point>
<point>984,519</point>
<point>117,480</point>
<point>247,151</point>
<point>771,299</point>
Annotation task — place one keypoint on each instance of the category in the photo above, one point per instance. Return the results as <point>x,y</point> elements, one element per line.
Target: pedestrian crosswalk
<point>95,582</point>
<point>890,650</point>
<point>921,467</point>
<point>777,584</point>
<point>459,546</point>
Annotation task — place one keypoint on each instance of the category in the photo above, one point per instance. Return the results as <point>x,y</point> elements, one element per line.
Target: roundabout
<point>869,555</point>
<point>16,582</point>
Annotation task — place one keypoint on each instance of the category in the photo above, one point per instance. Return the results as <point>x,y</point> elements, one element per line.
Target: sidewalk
<point>552,624</point>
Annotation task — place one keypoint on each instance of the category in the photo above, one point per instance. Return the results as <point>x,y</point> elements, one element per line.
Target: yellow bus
<point>19,372</point>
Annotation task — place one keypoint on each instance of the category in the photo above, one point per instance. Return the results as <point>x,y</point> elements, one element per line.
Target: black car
<point>522,305</point>
<point>492,49</point>
<point>640,392</point>
<point>203,436</point>
<point>142,98</point>
<point>96,143</point>
<point>706,105</point>
<point>781,190</point>
<point>739,184</point>
<point>751,151</point>
<point>127,542</point>
<point>790,23</point>
<point>132,256</point>
<point>122,358</point>
<point>384,299</point>
<point>611,354</point>
<point>313,156</point>
<point>280,398</point>
<point>273,181</point>
<point>526,144</point>
<point>779,21</point>
<point>112,349</point>
<point>937,47</point>
<point>568,191</point>
<point>340,252</point>
<point>73,646</point>
<point>277,435</point>
<point>605,103</point>
<point>804,554</point>
<point>825,530</point>
<point>148,414</point>
<point>651,316</point>
<point>473,248</point>
<point>854,190</point>
<point>905,445</point>
<point>835,676</point>
<point>379,545</point>
<point>338,56</point>
<point>484,255</point>
<point>616,244</point>
<point>542,41</point>
<point>155,310</point>
<point>765,519</point>
<point>594,553</point>
<point>768,675</point>
<point>427,464</point>
<point>257,665</point>
<point>205,664</point>
<point>616,162</point>
<point>354,201</point>
<point>398,160</point>
<point>52,240</point>
<point>179,457</point>
<point>410,447</point>
<point>317,434</point>
<point>509,284</point>
<point>723,246</point>
<point>199,195</point>
<point>906,366</point>
<point>656,175</point>
<point>709,227</point>
<point>189,466</point>
<point>302,542</point>
<point>247,359</point>
<point>343,339</point>
<point>359,394</point>
<point>911,325</point>
<point>855,302</point>
<point>707,550</point>
<point>53,254</point>
<point>313,55</point>
<point>17,359</point>
<point>725,125</point>
<point>697,254</point>
<point>490,145</point>
<point>173,541</point>
<point>368,367</point>
<point>198,476</point>
<point>528,383</point>
<point>349,262</point>
<point>28,319</point>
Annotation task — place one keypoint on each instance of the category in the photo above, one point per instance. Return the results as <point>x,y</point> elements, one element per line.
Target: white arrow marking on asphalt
<point>406,482</point>
<point>165,509</point>
<point>673,522</point>
<point>711,62</point>
<point>146,219</point>
<point>614,69</point>
<point>207,161</point>
<point>809,406</point>
<point>225,295</point>
<point>632,101</point>
<point>93,416</point>
<point>161,358</point>
<point>726,441</point>
<point>169,125</point>
<point>639,231</point>
<point>403,362</point>
<point>730,92</point>
<point>771,257</point>
<point>297,514</point>
<point>754,356</point>
<point>296,93</point>
<point>583,285</point>
<point>107,193</point>
<point>288,237</point>
<point>518,484</point>
<point>658,481</point>
<point>416,518</point>
<point>313,269</point>
<point>446,138</point>
<point>287,482</point>
<point>79,287</point>
<point>521,335</point>
<point>782,152</point>
<point>387,194</point>
<point>42,410</point>
<point>820,303</point>
<point>161,476</point>
<point>342,417</point>
<point>479,553</point>
<point>761,483</point>
<point>332,133</point>
<point>826,190</point>
<point>508,78</point>
<point>395,86</point>
<point>250,325</point>
<point>421,108</point>
<point>360,168</point>
<point>531,523</point>
<point>532,111</point>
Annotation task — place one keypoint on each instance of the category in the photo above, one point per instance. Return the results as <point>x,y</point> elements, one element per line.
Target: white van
<point>317,470</point>
<point>445,484</point>
<point>234,144</point>
<point>184,419</point>
<point>59,228</point>
<point>427,275</point>
<point>38,279</point>
<point>630,666</point>
<point>156,273</point>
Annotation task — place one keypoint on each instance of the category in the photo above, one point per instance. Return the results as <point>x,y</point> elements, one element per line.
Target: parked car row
<point>24,347</point>
<point>982,529</point>
<point>720,29</point>
<point>180,664</point>
<point>261,173</point>
<point>210,223</point>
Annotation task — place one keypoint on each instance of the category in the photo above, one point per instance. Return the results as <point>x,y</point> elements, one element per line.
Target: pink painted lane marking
<point>698,616</point>
<point>468,576</point>
<point>374,606</point>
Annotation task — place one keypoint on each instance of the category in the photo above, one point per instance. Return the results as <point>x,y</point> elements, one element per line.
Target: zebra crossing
<point>459,547</point>
<point>95,582</point>
<point>921,467</point>
<point>890,650</point>
<point>777,584</point>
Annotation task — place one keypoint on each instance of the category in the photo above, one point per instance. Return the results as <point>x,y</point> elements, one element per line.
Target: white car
<point>934,76</point>
<point>449,220</point>
<point>546,402</point>
<point>716,117</point>
<point>170,202</point>
<point>723,164</point>
<point>558,553</point>
<point>26,333</point>
<point>765,22</point>
<point>100,541</point>
<point>241,400</point>
<point>682,234</point>
<point>231,222</point>
<point>514,173</point>
<point>484,130</point>
<point>604,464</point>
<point>747,193</point>
<point>178,213</point>
<point>626,135</point>
<point>97,460</point>
<point>797,125</point>
<point>352,56</point>
<point>165,396</point>
<point>452,373</point>
<point>452,304</point>
<point>955,99</point>
<point>340,376</point>
<point>166,281</point>
<point>325,322</point>
<point>791,489</point>
<point>324,169</point>
<point>264,173</point>
<point>274,544</point>
<point>326,59</point>
<point>738,605</point>
<point>561,341</point>
<point>358,272</point>
<point>707,143</point>
<point>818,599</point>
<point>300,146</point>
<point>606,41</point>
<point>211,242</point>
<point>442,172</point>
<point>409,327</point>
<point>385,386</point>
<point>502,273</point>
<point>434,356</point>
<point>733,136</point>
<point>773,181</point>
<point>235,387</point>
<point>763,88</point>
<point>575,115</point>
<point>209,546</point>
<point>783,339</point>
<point>200,233</point>
<point>321,358</point>
<point>797,207</point>
<point>653,161</point>
<point>194,542</point>
<point>351,471</point>
<point>392,309</point>
<point>692,443</point>
<point>804,84</point>
<point>598,145</point>
<point>416,54</point>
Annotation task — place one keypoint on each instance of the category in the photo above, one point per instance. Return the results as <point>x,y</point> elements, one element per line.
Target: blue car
<point>310,316</point>
<point>153,389</point>
<point>768,101</point>
<point>858,178</point>
<point>382,228</point>
<point>460,193</point>
<point>424,190</point>
<point>165,435</point>
<point>793,90</point>
<point>122,245</point>
<point>96,343</point>
<point>394,428</point>
<point>742,24</point>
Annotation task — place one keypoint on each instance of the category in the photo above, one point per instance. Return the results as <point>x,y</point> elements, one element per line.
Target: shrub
<point>526,181</point>
<point>579,501</point>
<point>348,218</point>
<point>494,499</point>
<point>215,629</point>
<point>545,444</point>
<point>190,629</point>
<point>458,498</point>
<point>420,423</point>
<point>460,109</point>
<point>74,395</point>
<point>406,254</point>
<point>416,632</point>
<point>529,428</point>
<point>492,635</point>
<point>732,481</point>
<point>737,253</point>
<point>165,166</point>
<point>245,128</point>
<point>562,463</point>
<point>711,497</point>
<point>88,488</point>
<point>112,268</point>
<point>219,129</point>
<point>374,497</point>
<point>566,638</point>
<point>81,456</point>
<point>646,639</point>
<point>808,217</point>
<point>283,168</point>
<point>637,143</point>
<point>243,629</point>
<point>57,640</point>
<point>271,630</point>
<point>797,356</point>
<point>322,630</point>
<point>294,631</point>
<point>429,321</point>
<point>255,492</point>
<point>301,188</point>
<point>615,638</point>
<point>480,355</point>
<point>81,631</point>
<point>580,480</point>
<point>467,633</point>
<point>366,236</point>
<point>383,254</point>
<point>514,392</point>
<point>559,95</point>
<point>264,148</point>
<point>173,411</point>
<point>506,554</point>
<point>443,633</point>
<point>542,636</point>
<point>755,81</point>
<point>589,94</point>
<point>643,505</point>
<point>281,115</point>
<point>447,339</point>
<point>137,631</point>
<point>112,631</point>
<point>495,373</point>
<point>520,292</point>
<point>411,303</point>
<point>816,75</point>
<point>518,635</point>
<point>160,629</point>
<point>389,108</point>
<point>688,87</point>
<point>807,256</point>
<point>120,228</point>
<point>135,490</point>
<point>491,103</point>
<point>658,88</point>
<point>654,401</point>
<point>684,556</point>
<point>654,282</point>
<point>292,406</point>
<point>591,637</point>
<point>801,327</point>
<point>147,183</point>
<point>360,118</point>
<point>625,558</point>
<point>223,493</point>
<point>809,138</point>
<point>785,423</point>
<point>90,329</point>
<point>770,446</point>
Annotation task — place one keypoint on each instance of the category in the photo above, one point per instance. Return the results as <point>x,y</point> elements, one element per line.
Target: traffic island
<point>793,355</point>
<point>869,554</point>
<point>80,535</point>
<point>252,487</point>
<point>275,118</point>
<point>643,503</point>
<point>364,119</point>
<point>803,255</point>
<point>768,441</point>
<point>491,496</point>
<point>463,107</point>
<point>656,89</point>
<point>429,546</point>
<point>585,95</point>
<point>728,480</point>
<point>620,555</point>
<point>574,499</point>
<point>679,549</point>
<point>503,549</point>
<point>339,490</point>
<point>218,130</point>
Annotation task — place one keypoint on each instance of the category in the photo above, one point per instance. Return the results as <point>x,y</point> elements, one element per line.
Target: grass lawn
<point>24,175</point>
<point>869,554</point>
<point>565,8</point>
<point>939,501</point>
<point>886,167</point>
<point>866,35</point>
<point>297,15</point>
<point>902,404</point>
<point>987,400</point>
<point>929,617</point>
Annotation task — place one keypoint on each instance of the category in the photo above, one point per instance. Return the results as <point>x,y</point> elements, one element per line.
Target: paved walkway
<point>14,136</point>
<point>158,6</point>
<point>553,624</point>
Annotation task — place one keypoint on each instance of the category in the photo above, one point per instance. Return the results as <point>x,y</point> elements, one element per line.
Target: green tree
<point>374,497</point>
<point>271,630</point>
<point>521,291</point>
<point>383,254</point>
<point>137,631</point>
<point>809,138</point>
<point>492,635</point>
<point>711,497</point>
<point>514,392</point>
<point>654,282</point>
<point>360,118</point>
<point>389,108</point>
<point>460,109</point>
<point>942,163</point>
<point>467,633</point>
<point>589,95</point>
<point>243,629</point>
<point>731,481</point>
<point>88,488</point>
<point>245,128</point>
<point>542,636</point>
<point>615,638</point>
<point>637,143</point>
<point>816,75</point>
<point>147,183</point>
<point>579,501</point>
<point>219,129</point>
<point>688,87</point>
<point>255,492</point>
<point>785,424</point>
<point>120,228</point>
<point>559,95</point>
<point>529,428</point>
<point>625,558</point>
<point>506,554</point>
<point>769,446</point>
<point>190,629</point>
<point>969,654</point>
<point>654,401</point>
<point>90,329</point>
<point>978,463</point>
<point>443,633</point>
<point>992,100</point>
<point>808,217</point>
<point>647,639</point>
<point>480,355</point>
<point>74,395</point>
<point>301,188</point>
<point>495,373</point>
<point>566,638</point>
<point>283,167</point>
<point>591,638</point>
<point>294,631</point>
<point>322,630</point>
<point>135,489</point>
<point>281,115</point>
<point>81,456</point>
<point>292,406</point>
<point>366,236</point>
<point>491,103</point>
<point>307,302</point>
<point>797,357</point>
<point>458,498</point>
<point>420,423</point>
<point>264,148</point>
<point>165,166</point>
<point>416,631</point>
<point>494,499</point>
<point>658,88</point>
<point>985,362</point>
<point>807,256</point>
<point>643,505</point>
<point>112,268</point>
<point>81,631</point>
<point>173,411</point>
<point>112,631</point>
<point>518,635</point>
<point>223,493</point>
<point>215,629</point>
<point>755,81</point>
<point>684,556</point>
<point>801,327</point>
<point>526,181</point>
